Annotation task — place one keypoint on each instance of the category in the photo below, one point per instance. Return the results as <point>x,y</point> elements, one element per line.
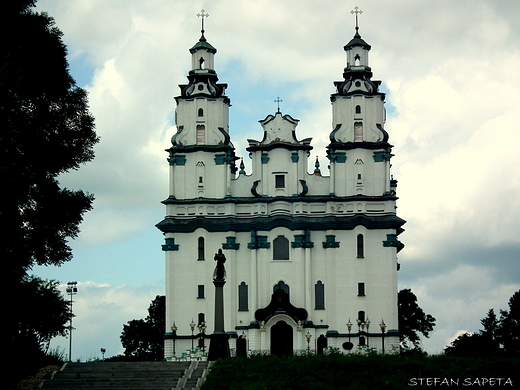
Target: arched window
<point>201,134</point>
<point>201,62</point>
<point>243,297</point>
<point>201,112</point>
<point>280,248</point>
<point>358,131</point>
<point>319,295</point>
<point>357,60</point>
<point>361,316</point>
<point>360,246</point>
<point>281,286</point>
<point>358,109</point>
<point>200,249</point>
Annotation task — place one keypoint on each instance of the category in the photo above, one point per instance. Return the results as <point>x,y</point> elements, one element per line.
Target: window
<point>279,181</point>
<point>201,134</point>
<point>361,316</point>
<point>281,286</point>
<point>360,246</point>
<point>201,63</point>
<point>200,291</point>
<point>200,249</point>
<point>201,181</point>
<point>243,297</point>
<point>319,295</point>
<point>358,109</point>
<point>357,60</point>
<point>280,248</point>
<point>358,132</point>
<point>361,289</point>
<point>201,318</point>
<point>201,112</point>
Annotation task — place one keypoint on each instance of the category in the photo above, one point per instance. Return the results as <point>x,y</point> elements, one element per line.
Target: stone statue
<point>220,271</point>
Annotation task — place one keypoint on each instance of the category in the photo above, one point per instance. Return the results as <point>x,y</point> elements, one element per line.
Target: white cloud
<point>100,312</point>
<point>451,77</point>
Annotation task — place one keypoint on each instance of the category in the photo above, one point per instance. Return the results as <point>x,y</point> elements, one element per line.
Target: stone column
<point>219,340</point>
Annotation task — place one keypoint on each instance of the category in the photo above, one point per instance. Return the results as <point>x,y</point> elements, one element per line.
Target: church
<point>311,260</point>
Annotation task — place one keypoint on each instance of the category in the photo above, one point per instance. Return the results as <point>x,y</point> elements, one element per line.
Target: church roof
<point>203,44</point>
<point>357,41</point>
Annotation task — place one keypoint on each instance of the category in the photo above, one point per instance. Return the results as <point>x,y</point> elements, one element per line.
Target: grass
<point>338,371</point>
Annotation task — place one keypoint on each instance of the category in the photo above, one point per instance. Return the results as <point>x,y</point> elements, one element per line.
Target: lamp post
<point>382,325</point>
<point>367,324</point>
<point>174,336</point>
<point>308,337</point>
<point>71,290</point>
<point>192,326</point>
<point>202,331</point>
<point>103,350</point>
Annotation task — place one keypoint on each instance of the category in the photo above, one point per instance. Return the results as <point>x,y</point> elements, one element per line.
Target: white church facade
<point>311,259</point>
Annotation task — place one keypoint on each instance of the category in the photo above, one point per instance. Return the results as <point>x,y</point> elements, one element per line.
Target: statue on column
<point>220,270</point>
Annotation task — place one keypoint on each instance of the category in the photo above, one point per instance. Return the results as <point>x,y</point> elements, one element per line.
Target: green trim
<point>339,157</point>
<point>220,159</point>
<point>258,242</point>
<point>295,157</point>
<point>290,199</point>
<point>334,146</point>
<point>169,245</point>
<point>264,157</point>
<point>177,159</point>
<point>231,244</point>
<point>330,241</point>
<point>392,241</point>
<point>303,240</point>
<point>382,155</point>
<point>269,222</point>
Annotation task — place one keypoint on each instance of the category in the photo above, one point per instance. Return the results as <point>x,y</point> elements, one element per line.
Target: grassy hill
<point>338,371</point>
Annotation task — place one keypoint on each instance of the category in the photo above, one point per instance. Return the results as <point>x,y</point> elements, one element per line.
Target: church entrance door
<point>281,339</point>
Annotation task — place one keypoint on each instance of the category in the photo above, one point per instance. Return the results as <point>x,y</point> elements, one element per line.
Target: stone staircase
<point>129,376</point>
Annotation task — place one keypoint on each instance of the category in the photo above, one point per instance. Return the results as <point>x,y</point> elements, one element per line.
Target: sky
<point>450,72</point>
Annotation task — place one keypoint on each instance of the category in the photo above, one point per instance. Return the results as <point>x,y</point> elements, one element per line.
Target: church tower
<point>311,259</point>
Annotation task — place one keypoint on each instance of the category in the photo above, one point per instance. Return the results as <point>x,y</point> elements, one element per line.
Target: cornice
<point>269,222</point>
<point>290,199</point>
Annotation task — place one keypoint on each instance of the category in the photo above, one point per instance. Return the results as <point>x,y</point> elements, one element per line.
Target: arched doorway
<point>281,339</point>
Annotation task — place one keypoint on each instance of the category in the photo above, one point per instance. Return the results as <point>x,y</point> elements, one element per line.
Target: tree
<point>499,336</point>
<point>508,333</point>
<point>47,130</point>
<point>412,320</point>
<point>143,339</point>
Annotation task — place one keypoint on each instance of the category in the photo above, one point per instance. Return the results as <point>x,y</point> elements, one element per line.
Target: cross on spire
<point>356,11</point>
<point>278,101</point>
<point>202,14</point>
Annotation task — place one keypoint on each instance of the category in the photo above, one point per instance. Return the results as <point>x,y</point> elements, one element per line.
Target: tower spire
<point>356,11</point>
<point>203,14</point>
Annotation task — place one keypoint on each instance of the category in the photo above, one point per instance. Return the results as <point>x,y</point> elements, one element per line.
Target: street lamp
<point>308,337</point>
<point>367,324</point>
<point>71,290</point>
<point>202,330</point>
<point>174,336</point>
<point>382,325</point>
<point>103,350</point>
<point>192,326</point>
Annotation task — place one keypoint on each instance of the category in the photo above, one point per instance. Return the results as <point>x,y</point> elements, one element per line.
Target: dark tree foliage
<point>143,339</point>
<point>45,312</point>
<point>500,337</point>
<point>508,333</point>
<point>46,130</point>
<point>412,320</point>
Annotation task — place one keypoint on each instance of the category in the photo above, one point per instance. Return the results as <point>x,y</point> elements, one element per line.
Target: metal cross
<point>278,101</point>
<point>203,14</point>
<point>357,12</point>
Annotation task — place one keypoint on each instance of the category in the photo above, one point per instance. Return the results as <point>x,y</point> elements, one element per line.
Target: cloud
<point>453,94</point>
<point>100,311</point>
